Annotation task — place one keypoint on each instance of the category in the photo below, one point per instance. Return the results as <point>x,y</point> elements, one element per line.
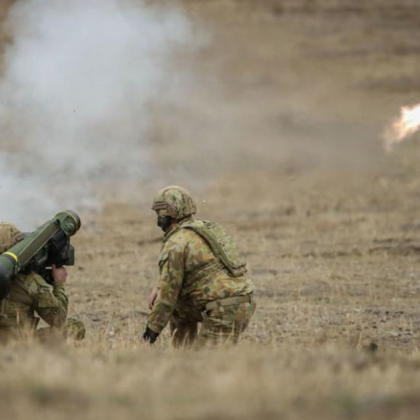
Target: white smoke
<point>78,80</point>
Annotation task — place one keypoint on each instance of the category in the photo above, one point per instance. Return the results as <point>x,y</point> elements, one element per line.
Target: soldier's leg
<point>225,325</point>
<point>74,329</point>
<point>184,324</point>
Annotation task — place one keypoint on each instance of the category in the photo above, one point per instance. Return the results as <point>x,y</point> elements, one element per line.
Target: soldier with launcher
<point>31,295</point>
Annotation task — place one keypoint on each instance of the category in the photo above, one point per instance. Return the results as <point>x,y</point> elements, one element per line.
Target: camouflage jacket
<point>189,270</point>
<point>31,294</point>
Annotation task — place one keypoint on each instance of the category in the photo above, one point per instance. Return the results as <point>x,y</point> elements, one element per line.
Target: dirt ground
<point>281,142</point>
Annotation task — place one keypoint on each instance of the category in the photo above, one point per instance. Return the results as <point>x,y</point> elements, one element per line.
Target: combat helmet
<point>9,236</point>
<point>174,201</point>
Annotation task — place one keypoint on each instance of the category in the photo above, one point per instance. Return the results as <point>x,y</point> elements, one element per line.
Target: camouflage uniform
<point>31,294</point>
<point>198,282</point>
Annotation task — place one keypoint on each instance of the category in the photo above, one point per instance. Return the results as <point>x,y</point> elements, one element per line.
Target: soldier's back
<point>206,277</point>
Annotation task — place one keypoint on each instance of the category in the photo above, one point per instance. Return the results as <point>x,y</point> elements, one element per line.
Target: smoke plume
<point>78,80</point>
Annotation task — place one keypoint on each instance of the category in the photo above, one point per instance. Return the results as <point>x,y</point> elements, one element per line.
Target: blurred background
<point>102,99</point>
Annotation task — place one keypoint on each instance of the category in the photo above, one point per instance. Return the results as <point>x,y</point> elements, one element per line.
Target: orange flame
<point>405,126</point>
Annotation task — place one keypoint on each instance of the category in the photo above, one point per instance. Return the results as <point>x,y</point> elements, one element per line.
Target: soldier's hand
<point>59,273</point>
<point>150,336</point>
<point>153,296</point>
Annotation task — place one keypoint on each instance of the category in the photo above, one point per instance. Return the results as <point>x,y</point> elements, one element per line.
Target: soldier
<point>202,277</point>
<point>30,294</point>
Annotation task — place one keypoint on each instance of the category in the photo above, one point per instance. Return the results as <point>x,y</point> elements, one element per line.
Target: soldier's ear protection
<point>164,221</point>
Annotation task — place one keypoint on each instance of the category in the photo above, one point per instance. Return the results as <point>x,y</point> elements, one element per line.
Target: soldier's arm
<point>51,305</point>
<point>171,268</point>
<point>152,297</point>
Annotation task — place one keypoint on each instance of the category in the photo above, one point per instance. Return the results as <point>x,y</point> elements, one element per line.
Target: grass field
<point>295,96</point>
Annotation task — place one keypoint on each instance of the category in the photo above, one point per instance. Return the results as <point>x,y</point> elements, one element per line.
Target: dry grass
<point>334,248</point>
<point>241,383</point>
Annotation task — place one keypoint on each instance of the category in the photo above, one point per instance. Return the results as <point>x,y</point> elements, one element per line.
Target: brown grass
<point>330,226</point>
<point>242,383</point>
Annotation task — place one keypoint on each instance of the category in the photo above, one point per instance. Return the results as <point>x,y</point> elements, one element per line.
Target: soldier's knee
<point>76,329</point>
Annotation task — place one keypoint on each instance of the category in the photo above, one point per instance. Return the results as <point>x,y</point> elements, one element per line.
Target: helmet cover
<point>9,236</point>
<point>174,201</point>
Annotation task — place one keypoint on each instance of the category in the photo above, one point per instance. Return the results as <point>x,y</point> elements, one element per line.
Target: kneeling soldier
<point>30,294</point>
<point>202,277</point>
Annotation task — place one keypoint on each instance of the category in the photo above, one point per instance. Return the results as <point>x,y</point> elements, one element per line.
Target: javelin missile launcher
<point>39,250</point>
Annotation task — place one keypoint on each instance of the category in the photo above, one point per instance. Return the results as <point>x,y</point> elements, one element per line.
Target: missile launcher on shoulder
<point>39,250</point>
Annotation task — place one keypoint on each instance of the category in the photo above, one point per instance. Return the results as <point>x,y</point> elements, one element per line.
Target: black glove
<point>150,335</point>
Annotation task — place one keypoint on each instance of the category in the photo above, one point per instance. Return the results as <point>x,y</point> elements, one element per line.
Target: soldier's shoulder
<point>178,242</point>
<point>31,282</point>
<point>179,238</point>
<point>198,230</point>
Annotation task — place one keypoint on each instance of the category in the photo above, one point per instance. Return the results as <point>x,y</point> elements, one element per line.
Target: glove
<point>150,335</point>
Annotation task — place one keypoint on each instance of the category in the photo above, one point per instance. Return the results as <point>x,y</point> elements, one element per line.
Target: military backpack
<point>221,243</point>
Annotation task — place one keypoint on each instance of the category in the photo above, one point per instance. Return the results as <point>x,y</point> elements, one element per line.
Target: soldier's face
<point>164,221</point>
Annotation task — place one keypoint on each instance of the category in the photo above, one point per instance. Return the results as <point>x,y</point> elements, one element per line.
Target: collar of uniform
<point>175,227</point>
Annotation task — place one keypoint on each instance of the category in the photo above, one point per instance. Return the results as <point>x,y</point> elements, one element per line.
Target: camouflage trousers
<point>74,329</point>
<point>218,326</point>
